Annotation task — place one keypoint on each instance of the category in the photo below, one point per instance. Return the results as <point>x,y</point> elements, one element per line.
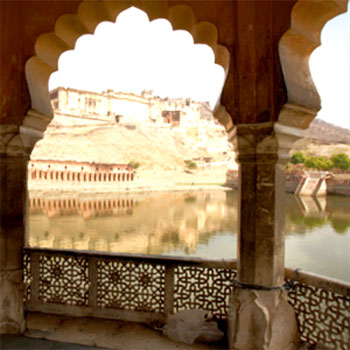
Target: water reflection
<point>196,223</point>
<point>318,235</point>
<point>304,214</point>
<point>154,223</point>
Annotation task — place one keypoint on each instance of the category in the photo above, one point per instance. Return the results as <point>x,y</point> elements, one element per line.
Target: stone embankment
<point>338,182</point>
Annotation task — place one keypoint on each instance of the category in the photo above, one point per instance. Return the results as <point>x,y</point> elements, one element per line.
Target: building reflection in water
<point>196,223</point>
<point>158,223</point>
<point>153,223</point>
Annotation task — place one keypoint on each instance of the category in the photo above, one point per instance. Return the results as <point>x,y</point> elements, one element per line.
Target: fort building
<point>125,108</point>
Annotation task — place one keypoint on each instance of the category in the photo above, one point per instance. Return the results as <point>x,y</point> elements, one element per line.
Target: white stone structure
<point>126,108</point>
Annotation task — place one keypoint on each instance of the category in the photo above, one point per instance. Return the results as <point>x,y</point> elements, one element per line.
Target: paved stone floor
<point>20,342</point>
<point>45,331</point>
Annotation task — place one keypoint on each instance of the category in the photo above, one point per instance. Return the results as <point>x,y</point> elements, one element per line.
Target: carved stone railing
<point>124,286</point>
<point>147,288</point>
<point>322,306</point>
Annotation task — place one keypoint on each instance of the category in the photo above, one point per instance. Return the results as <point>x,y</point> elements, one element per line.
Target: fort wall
<point>67,175</point>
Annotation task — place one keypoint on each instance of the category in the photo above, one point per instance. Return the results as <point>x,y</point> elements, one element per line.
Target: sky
<point>329,66</point>
<point>134,54</point>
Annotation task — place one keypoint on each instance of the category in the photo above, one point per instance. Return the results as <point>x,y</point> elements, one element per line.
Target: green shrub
<point>341,161</point>
<point>322,163</point>
<point>297,158</point>
<point>190,164</point>
<point>134,164</point>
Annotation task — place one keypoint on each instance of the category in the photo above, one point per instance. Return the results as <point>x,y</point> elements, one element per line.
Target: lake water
<point>193,223</point>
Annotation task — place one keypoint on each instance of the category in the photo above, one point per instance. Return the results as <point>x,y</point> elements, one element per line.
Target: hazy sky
<point>329,66</point>
<point>134,54</point>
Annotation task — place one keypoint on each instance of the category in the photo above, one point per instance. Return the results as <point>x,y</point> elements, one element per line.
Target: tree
<point>341,161</point>
<point>298,157</point>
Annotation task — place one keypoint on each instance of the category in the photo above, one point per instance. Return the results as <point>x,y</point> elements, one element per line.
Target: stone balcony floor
<point>21,342</point>
<point>72,333</point>
<point>62,332</point>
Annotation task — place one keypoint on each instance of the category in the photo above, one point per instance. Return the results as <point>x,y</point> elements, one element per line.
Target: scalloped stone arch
<point>307,21</point>
<point>69,27</point>
<point>295,48</point>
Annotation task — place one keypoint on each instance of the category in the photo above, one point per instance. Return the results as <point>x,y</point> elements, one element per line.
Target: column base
<point>259,319</point>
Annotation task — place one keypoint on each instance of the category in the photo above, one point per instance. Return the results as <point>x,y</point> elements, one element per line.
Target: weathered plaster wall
<point>21,24</point>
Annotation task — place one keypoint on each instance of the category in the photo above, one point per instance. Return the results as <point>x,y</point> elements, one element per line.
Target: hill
<point>154,148</point>
<point>157,149</point>
<point>323,139</point>
<point>327,133</point>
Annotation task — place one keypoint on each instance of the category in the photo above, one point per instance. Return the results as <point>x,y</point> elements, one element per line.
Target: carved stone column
<point>260,316</point>
<point>16,144</point>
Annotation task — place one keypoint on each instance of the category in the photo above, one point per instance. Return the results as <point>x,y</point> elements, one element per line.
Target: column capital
<point>286,136</point>
<point>19,140</point>
<point>264,142</point>
<point>297,116</point>
<point>10,141</point>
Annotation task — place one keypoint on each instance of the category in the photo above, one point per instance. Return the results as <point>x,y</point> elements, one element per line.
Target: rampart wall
<point>66,175</point>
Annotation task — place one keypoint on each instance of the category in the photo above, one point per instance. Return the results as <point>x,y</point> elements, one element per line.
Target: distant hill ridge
<point>323,132</point>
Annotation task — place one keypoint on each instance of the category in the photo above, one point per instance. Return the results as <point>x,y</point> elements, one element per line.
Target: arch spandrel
<point>295,47</point>
<point>38,74</point>
<point>69,27</point>
<point>92,13</point>
<point>222,57</point>
<point>309,17</point>
<point>49,48</point>
<point>156,9</point>
<point>206,33</point>
<point>182,17</point>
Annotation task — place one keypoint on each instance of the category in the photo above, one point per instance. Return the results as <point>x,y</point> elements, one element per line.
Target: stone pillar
<point>12,225</point>
<point>16,144</point>
<point>259,315</point>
